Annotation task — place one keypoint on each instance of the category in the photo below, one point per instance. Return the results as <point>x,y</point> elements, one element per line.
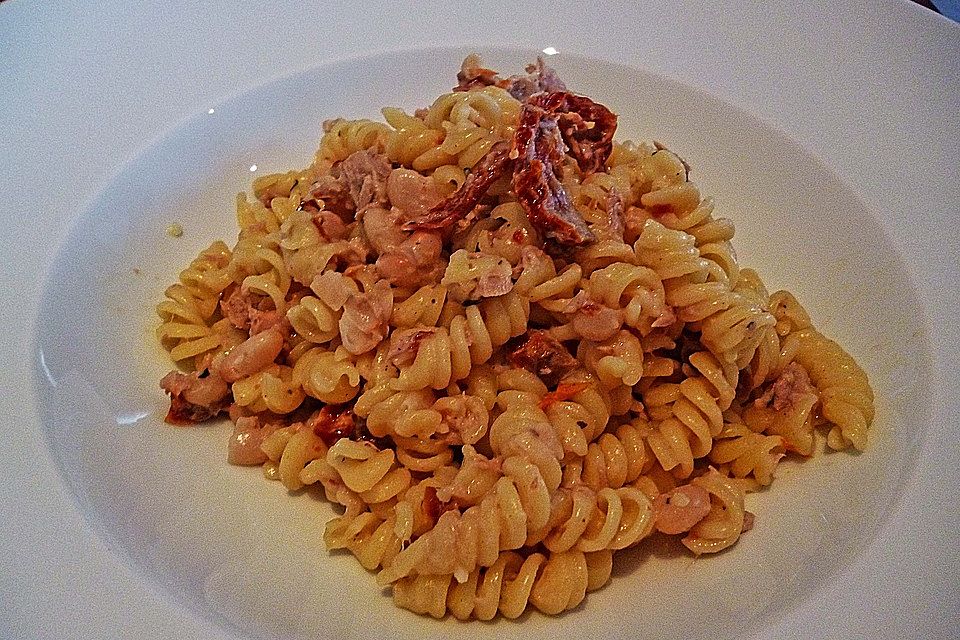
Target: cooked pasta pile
<point>507,345</point>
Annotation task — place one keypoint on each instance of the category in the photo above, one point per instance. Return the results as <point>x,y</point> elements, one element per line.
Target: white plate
<point>115,525</point>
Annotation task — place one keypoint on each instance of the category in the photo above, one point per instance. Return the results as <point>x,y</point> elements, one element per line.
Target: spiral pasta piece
<point>723,525</point>
<point>473,121</point>
<point>315,321</point>
<point>344,137</point>
<point>328,376</point>
<point>461,542</point>
<point>424,455</point>
<point>845,395</point>
<point>292,449</point>
<point>187,328</point>
<point>635,289</point>
<point>618,457</point>
<point>579,420</point>
<point>731,323</point>
<point>272,389</point>
<point>712,238</point>
<point>689,415</point>
<point>552,584</point>
<point>447,355</point>
<point>368,471</point>
<point>747,453</point>
<point>258,266</point>
<point>373,540</point>
<point>605,519</point>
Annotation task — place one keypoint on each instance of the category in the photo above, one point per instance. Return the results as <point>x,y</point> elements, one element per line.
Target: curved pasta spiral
<point>459,543</point>
<point>618,365</point>
<point>712,238</point>
<point>559,286</point>
<point>687,416</point>
<point>671,254</point>
<point>420,415</point>
<point>369,472</point>
<point>634,289</point>
<point>513,513</point>
<point>424,455</point>
<point>766,360</point>
<point>290,449</point>
<point>328,376</point>
<point>731,324</point>
<point>411,143</point>
<point>723,525</point>
<point>258,266</point>
<point>375,526</point>
<point>618,457</point>
<point>596,520</point>
<point>186,328</point>
<point>401,413</point>
<point>552,584</point>
<point>344,137</point>
<point>599,197</point>
<point>473,121</point>
<point>256,217</point>
<point>372,539</point>
<point>506,233</point>
<point>576,417</point>
<point>794,423</point>
<point>523,429</point>
<point>604,253</point>
<point>667,190</point>
<point>747,453</point>
<point>421,308</point>
<point>845,395</point>
<point>789,313</point>
<point>448,354</point>
<point>314,320</point>
<point>276,197</point>
<point>457,129</point>
<point>581,419</point>
<point>272,389</point>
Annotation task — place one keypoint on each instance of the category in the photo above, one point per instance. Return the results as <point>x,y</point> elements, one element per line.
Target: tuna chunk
<point>364,321</point>
<point>544,356</point>
<point>195,397</point>
<point>365,173</point>
<point>792,385</point>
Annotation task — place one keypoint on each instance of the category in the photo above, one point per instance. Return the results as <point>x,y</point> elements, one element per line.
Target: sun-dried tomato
<point>548,205</point>
<point>539,149</point>
<point>491,167</point>
<point>545,356</point>
<point>564,392</point>
<point>184,413</point>
<point>333,422</point>
<point>587,127</point>
<point>433,507</point>
<point>550,125</point>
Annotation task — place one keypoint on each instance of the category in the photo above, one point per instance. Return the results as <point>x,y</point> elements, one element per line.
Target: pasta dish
<point>506,345</point>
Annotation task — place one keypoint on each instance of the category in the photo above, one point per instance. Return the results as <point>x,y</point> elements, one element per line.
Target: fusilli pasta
<point>505,345</point>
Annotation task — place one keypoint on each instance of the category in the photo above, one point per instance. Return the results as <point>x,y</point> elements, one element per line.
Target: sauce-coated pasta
<point>507,345</point>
